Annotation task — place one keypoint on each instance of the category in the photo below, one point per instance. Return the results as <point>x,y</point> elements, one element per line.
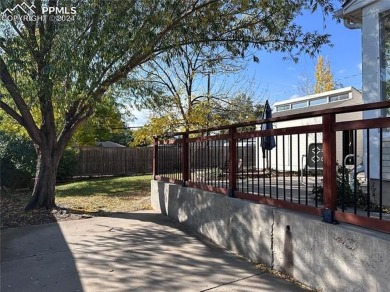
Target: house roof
<point>356,99</point>
<point>108,144</point>
<point>347,2</point>
<point>335,104</point>
<point>351,10</point>
<point>317,95</point>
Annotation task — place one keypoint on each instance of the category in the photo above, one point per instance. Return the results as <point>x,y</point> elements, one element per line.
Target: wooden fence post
<point>232,162</point>
<point>155,157</point>
<point>185,159</point>
<point>329,167</point>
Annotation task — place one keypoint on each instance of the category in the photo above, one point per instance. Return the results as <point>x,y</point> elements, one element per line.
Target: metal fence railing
<point>338,170</point>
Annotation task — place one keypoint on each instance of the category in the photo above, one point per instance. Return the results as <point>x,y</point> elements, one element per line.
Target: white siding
<point>292,156</point>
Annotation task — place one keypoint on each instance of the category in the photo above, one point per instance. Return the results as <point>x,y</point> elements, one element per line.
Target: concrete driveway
<point>141,251</point>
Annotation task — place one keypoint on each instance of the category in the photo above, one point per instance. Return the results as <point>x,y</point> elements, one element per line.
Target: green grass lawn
<point>91,197</point>
<point>120,194</point>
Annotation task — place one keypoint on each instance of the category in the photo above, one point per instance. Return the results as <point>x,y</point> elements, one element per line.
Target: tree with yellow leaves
<point>323,76</point>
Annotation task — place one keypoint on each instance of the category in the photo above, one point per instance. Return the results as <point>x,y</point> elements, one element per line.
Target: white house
<point>295,159</point>
<point>373,18</point>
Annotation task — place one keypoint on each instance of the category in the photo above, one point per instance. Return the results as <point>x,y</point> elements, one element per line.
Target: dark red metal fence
<point>301,173</point>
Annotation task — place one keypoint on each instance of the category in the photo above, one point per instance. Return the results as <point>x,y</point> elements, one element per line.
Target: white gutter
<point>348,22</point>
<point>352,25</point>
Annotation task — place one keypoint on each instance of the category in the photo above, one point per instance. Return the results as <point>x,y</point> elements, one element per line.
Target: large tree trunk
<point>43,195</point>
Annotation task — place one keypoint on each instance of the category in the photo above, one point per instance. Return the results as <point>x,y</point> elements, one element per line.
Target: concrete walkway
<point>142,251</point>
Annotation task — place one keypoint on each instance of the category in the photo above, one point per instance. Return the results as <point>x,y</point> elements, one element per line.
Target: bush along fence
<point>18,162</point>
<point>338,169</point>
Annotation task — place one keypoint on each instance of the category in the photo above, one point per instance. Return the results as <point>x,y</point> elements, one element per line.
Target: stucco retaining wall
<point>324,256</point>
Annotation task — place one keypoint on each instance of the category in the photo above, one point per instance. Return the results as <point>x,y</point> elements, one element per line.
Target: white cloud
<point>359,66</point>
<point>341,71</point>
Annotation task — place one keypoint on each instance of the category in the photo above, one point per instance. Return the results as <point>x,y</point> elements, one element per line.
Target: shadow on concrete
<point>288,252</point>
<point>142,251</point>
<point>37,258</point>
<point>328,257</point>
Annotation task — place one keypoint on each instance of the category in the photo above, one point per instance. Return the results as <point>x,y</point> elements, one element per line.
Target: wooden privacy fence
<point>97,161</point>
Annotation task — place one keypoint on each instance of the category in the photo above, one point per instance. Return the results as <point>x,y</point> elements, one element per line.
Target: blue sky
<point>281,78</point>
<point>276,79</point>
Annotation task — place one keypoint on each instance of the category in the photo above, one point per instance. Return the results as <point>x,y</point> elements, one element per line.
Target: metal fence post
<point>185,159</point>
<point>155,157</point>
<point>232,162</point>
<point>329,167</point>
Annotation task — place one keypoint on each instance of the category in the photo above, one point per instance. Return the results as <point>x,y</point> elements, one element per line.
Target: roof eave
<point>351,11</point>
<point>316,95</point>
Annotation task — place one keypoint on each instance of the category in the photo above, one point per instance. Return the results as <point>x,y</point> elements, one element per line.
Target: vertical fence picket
<point>329,166</point>
<point>185,159</point>
<point>155,157</point>
<point>232,162</point>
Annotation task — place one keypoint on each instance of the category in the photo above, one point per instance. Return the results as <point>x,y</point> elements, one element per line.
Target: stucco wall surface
<point>324,256</point>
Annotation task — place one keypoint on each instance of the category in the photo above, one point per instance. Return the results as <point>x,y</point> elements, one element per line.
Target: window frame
<point>384,40</point>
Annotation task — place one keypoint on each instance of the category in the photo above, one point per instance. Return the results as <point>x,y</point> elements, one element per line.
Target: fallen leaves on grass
<point>79,200</point>
<point>13,215</point>
<point>108,204</point>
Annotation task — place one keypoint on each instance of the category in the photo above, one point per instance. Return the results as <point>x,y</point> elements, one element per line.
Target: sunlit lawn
<point>90,196</point>
<point>121,194</point>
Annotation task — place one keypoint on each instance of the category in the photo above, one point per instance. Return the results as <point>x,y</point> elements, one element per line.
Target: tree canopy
<point>324,80</point>
<point>105,124</point>
<point>180,92</point>
<point>237,109</point>
<point>55,72</point>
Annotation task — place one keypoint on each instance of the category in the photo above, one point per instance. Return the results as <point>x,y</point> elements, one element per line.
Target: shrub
<point>68,164</point>
<point>17,161</point>
<point>345,194</point>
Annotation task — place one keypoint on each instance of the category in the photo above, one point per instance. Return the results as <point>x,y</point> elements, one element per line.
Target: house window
<point>281,108</point>
<point>299,105</point>
<point>338,97</point>
<point>318,101</point>
<point>385,54</point>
